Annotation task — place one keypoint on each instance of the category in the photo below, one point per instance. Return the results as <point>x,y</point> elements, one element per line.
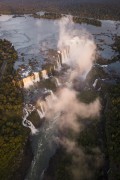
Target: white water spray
<point>77,48</point>
<point>44,74</point>
<point>31,80</point>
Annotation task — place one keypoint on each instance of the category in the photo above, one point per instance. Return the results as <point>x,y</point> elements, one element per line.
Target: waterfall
<point>63,59</point>
<point>95,83</point>
<point>59,61</point>
<point>60,57</point>
<point>58,64</point>
<point>36,77</point>
<point>28,123</point>
<point>53,95</point>
<point>64,54</point>
<point>30,80</point>
<point>57,82</point>
<point>41,108</point>
<point>44,74</point>
<point>41,114</point>
<point>54,67</point>
<point>68,50</point>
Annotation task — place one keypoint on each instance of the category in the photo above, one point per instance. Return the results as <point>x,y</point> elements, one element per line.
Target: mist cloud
<point>82,49</point>
<point>70,108</point>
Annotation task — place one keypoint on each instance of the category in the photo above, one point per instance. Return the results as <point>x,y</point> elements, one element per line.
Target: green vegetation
<point>48,84</point>
<point>35,119</point>
<point>59,168</point>
<point>7,52</point>
<point>112,118</point>
<point>13,136</point>
<point>116,45</point>
<point>99,10</point>
<point>96,73</point>
<point>94,22</point>
<point>76,19</point>
<point>48,15</point>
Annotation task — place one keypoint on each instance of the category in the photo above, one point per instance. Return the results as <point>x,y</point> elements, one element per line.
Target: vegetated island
<point>15,154</point>
<point>76,19</point>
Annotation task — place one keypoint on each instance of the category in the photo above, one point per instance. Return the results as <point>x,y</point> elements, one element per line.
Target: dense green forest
<point>112,118</point>
<point>92,9</point>
<point>13,136</point>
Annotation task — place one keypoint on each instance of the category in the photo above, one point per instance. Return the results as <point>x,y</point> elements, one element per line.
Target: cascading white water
<point>95,83</point>
<point>57,82</point>
<point>44,74</point>
<point>27,82</point>
<point>45,105</point>
<point>64,54</point>
<point>30,80</point>
<point>28,123</point>
<point>54,67</point>
<point>59,59</point>
<point>41,106</point>
<point>36,77</point>
<point>63,57</point>
<point>41,114</point>
<point>58,65</point>
<point>59,62</point>
<point>44,148</point>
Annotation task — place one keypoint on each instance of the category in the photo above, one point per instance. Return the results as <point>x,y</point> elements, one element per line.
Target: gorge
<point>62,79</point>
